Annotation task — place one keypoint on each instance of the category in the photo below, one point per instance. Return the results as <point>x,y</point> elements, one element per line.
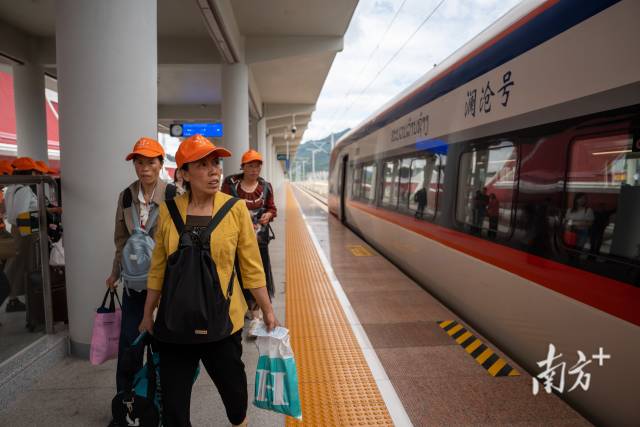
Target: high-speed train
<point>525,146</point>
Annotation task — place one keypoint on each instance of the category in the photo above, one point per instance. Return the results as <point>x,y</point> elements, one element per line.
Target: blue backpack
<point>137,251</point>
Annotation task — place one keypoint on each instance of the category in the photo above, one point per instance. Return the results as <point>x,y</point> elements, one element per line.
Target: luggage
<point>35,298</point>
<point>137,251</point>
<point>193,308</point>
<point>276,385</point>
<point>5,287</point>
<point>8,247</point>
<point>139,403</point>
<point>105,337</point>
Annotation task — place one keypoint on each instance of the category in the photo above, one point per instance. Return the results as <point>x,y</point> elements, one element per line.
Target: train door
<point>343,186</point>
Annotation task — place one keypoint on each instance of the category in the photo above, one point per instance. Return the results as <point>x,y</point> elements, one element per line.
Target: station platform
<point>372,348</point>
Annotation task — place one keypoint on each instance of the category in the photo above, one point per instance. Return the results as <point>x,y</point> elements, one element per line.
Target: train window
<point>424,185</point>
<point>486,188</point>
<point>390,183</point>
<point>369,182</point>
<point>603,197</point>
<point>405,188</point>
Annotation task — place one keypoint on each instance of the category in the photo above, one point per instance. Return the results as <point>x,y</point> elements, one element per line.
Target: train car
<point>527,144</point>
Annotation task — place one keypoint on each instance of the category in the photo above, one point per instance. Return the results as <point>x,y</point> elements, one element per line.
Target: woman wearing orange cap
<point>200,235</point>
<point>136,206</point>
<point>258,195</point>
<point>20,198</point>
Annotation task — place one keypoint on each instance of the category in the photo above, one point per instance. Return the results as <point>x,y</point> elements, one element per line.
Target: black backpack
<point>193,308</point>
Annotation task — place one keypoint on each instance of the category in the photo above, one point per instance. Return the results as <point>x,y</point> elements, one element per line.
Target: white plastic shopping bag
<point>56,256</point>
<point>276,386</point>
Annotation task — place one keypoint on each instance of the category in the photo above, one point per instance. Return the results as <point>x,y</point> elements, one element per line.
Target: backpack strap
<point>135,217</point>
<point>127,202</point>
<point>127,198</point>
<point>265,190</point>
<point>175,215</point>
<point>205,235</point>
<point>233,186</point>
<point>170,192</point>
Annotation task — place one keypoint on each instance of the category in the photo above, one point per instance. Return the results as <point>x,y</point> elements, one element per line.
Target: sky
<point>357,84</point>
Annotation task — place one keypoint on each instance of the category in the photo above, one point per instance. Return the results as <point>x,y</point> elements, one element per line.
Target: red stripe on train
<point>616,298</point>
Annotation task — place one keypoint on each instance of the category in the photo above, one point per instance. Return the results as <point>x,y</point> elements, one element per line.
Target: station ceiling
<point>289,46</point>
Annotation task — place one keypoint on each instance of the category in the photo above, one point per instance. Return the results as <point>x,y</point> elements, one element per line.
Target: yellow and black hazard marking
<point>494,364</point>
<point>359,250</point>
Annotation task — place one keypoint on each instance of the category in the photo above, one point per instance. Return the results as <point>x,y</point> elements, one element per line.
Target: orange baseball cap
<point>25,164</point>
<point>198,147</point>
<point>42,166</point>
<point>146,147</point>
<point>251,156</point>
<point>5,167</point>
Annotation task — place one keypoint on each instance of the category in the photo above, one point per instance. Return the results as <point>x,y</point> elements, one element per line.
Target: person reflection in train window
<point>480,202</point>
<point>601,219</point>
<point>421,199</point>
<point>579,219</point>
<point>493,212</point>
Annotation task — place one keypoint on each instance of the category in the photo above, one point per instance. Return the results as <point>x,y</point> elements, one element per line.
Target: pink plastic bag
<point>106,331</point>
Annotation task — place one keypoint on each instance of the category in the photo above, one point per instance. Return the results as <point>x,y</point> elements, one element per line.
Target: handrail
<point>40,180</point>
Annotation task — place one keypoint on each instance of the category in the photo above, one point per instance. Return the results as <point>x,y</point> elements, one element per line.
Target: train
<point>506,182</point>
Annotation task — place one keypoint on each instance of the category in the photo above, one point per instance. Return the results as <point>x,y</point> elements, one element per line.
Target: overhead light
<point>602,153</point>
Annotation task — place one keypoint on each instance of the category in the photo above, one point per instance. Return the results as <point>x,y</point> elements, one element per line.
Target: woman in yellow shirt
<point>180,351</point>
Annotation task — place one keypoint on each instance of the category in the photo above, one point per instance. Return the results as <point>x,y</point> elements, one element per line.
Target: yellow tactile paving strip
<point>336,385</point>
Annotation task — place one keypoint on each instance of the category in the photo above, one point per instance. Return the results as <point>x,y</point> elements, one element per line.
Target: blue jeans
<point>132,313</point>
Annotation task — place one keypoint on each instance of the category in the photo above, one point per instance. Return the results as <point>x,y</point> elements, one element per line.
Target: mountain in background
<point>305,151</point>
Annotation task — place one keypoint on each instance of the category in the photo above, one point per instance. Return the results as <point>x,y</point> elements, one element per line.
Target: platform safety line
<point>495,365</point>
<point>393,403</point>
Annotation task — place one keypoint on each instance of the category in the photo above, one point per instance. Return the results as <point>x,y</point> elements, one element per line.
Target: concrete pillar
<point>253,134</point>
<point>107,78</point>
<point>268,156</point>
<point>261,137</point>
<point>235,113</point>
<point>31,118</point>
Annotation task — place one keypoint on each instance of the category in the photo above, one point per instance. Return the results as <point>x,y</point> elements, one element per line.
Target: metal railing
<point>40,181</point>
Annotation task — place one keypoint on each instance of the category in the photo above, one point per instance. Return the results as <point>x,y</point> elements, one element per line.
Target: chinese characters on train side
<point>553,375</point>
<point>486,93</point>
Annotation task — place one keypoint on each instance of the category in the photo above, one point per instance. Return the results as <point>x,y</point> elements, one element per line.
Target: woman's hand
<point>146,325</point>
<point>265,218</point>
<point>269,319</point>
<point>111,282</point>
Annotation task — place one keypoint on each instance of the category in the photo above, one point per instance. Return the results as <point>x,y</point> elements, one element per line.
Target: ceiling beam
<point>255,99</point>
<point>189,112</point>
<point>263,49</point>
<point>221,22</point>
<point>301,119</point>
<point>187,50</point>
<point>274,111</point>
<point>15,45</point>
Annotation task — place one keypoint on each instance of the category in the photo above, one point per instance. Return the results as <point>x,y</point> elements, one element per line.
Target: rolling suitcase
<point>35,298</point>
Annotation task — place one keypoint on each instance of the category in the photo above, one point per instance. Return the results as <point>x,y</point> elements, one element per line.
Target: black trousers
<point>221,359</point>
<point>266,265</point>
<point>132,313</point>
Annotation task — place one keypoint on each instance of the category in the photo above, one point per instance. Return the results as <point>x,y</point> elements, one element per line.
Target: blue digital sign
<point>204,129</point>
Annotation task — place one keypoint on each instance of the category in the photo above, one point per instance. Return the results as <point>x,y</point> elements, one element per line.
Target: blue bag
<point>140,404</point>
<point>276,386</point>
